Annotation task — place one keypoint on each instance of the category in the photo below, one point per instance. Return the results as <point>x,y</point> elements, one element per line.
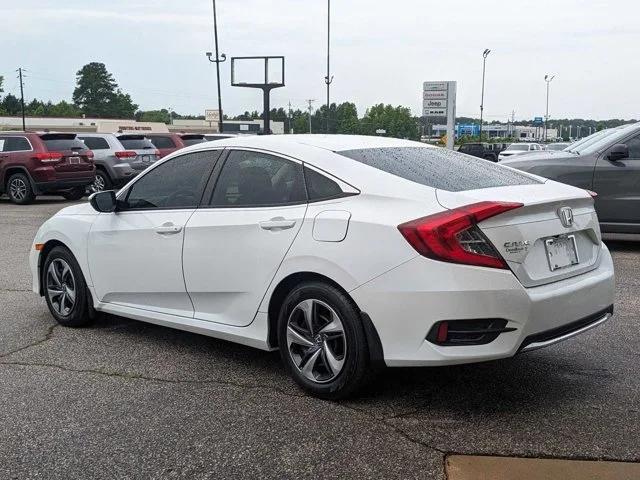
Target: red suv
<point>167,143</point>
<point>44,163</point>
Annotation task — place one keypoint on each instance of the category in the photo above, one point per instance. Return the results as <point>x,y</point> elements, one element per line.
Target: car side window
<point>177,183</point>
<point>320,187</point>
<point>95,143</point>
<point>255,179</point>
<point>16,144</point>
<point>634,147</point>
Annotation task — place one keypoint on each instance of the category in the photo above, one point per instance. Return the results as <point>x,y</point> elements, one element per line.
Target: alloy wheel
<point>61,287</point>
<point>98,184</point>
<point>18,189</point>
<point>316,340</point>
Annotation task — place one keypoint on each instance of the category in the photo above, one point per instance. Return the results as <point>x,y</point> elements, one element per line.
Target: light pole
<point>485,54</point>
<point>547,79</point>
<point>219,59</point>
<point>328,79</point>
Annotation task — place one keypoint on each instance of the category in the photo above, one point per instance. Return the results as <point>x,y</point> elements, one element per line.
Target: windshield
<point>136,143</point>
<point>520,147</point>
<point>575,146</point>
<point>599,143</point>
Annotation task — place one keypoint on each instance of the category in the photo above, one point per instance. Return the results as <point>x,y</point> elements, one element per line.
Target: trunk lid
<point>76,157</point>
<point>538,247</point>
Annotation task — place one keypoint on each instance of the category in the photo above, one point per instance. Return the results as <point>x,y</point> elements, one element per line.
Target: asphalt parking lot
<point>124,399</point>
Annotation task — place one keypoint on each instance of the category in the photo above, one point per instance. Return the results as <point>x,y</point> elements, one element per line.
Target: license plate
<point>562,252</point>
<point>74,160</point>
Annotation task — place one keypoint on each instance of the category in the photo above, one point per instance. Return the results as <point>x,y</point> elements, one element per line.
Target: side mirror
<point>618,152</point>
<point>104,202</point>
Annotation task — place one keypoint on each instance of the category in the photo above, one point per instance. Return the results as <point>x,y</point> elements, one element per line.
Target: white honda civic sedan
<point>343,252</point>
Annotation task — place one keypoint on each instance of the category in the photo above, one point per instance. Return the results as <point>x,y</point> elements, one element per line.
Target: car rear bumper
<point>65,184</point>
<point>404,304</point>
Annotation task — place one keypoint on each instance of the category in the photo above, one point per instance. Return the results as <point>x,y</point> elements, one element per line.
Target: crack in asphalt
<point>13,290</point>
<point>129,376</point>
<point>48,335</point>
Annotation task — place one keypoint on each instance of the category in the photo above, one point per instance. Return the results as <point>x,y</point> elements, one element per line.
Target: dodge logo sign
<point>566,216</point>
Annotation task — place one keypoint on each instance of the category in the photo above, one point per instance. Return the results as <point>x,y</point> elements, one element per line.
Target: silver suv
<point>118,158</point>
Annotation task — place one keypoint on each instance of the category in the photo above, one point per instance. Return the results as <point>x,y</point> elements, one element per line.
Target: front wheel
<point>65,290</point>
<point>322,341</point>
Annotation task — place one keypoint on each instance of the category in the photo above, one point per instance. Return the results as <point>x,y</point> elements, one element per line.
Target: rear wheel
<point>101,183</point>
<point>65,290</point>
<point>75,193</point>
<point>322,341</point>
<point>19,189</point>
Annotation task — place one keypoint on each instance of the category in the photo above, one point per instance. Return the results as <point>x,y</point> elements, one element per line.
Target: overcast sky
<point>381,51</point>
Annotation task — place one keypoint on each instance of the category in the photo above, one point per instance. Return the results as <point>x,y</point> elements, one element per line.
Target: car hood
<point>80,209</point>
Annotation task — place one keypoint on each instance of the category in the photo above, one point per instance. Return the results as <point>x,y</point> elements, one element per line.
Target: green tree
<point>64,109</point>
<point>11,104</point>
<point>153,116</point>
<point>396,121</point>
<point>97,93</point>
<point>346,118</point>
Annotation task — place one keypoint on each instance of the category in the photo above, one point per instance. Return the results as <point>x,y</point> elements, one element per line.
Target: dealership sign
<point>439,102</point>
<point>212,115</point>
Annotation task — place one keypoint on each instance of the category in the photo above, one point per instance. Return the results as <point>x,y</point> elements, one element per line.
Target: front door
<point>617,183</point>
<point>234,246</point>
<point>135,254</point>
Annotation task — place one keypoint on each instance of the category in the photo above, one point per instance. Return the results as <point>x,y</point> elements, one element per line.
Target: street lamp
<point>485,54</point>
<point>547,79</point>
<point>328,79</point>
<point>219,59</point>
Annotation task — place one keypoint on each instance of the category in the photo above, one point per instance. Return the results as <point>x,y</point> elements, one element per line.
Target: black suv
<point>480,150</point>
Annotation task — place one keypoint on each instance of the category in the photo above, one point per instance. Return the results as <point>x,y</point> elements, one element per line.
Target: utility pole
<point>485,54</point>
<point>289,117</point>
<point>22,97</point>
<point>310,101</point>
<point>218,60</point>
<point>328,79</point>
<point>546,117</point>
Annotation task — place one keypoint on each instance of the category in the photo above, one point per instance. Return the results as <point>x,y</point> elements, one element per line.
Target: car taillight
<point>592,193</point>
<point>454,236</point>
<point>89,154</point>
<point>126,154</point>
<point>157,153</point>
<point>47,157</point>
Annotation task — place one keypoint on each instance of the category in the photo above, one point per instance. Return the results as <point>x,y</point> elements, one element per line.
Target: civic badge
<point>566,216</point>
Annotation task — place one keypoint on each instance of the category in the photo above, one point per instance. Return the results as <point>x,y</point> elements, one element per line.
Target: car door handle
<point>278,223</point>
<point>168,229</point>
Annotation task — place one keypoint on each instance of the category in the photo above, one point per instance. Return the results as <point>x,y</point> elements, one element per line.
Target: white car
<point>343,252</point>
<point>519,149</point>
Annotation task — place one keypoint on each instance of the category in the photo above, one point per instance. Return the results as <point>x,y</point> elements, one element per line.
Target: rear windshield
<point>136,143</point>
<point>439,168</point>
<point>192,140</point>
<point>59,142</point>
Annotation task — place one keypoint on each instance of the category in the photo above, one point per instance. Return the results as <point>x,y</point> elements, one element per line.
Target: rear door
<point>234,245</point>
<point>617,183</point>
<point>14,151</point>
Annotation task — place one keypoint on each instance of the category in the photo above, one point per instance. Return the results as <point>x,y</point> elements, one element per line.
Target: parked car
<point>146,153</point>
<point>210,137</point>
<point>480,150</point>
<point>167,143</point>
<point>115,165</point>
<point>518,149</point>
<point>342,251</point>
<point>554,147</point>
<point>607,163</point>
<point>33,164</point>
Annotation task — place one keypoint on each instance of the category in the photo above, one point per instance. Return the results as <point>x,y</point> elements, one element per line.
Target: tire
<point>19,189</point>
<point>101,183</point>
<point>67,310</point>
<point>75,193</point>
<point>339,353</point>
